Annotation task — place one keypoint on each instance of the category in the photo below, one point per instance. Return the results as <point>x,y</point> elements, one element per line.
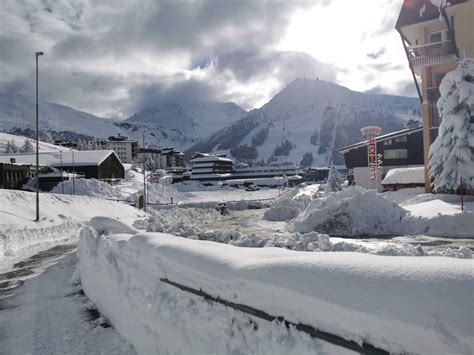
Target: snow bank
<point>87,187</point>
<point>16,242</point>
<point>415,305</point>
<point>289,205</point>
<point>405,176</point>
<point>352,212</point>
<point>61,217</point>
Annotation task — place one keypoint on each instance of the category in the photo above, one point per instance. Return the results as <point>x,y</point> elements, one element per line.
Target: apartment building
<point>435,34</point>
<point>125,148</point>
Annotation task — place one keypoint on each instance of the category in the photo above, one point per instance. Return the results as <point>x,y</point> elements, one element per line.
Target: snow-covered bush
<point>352,212</point>
<point>11,147</point>
<point>334,182</point>
<point>452,153</point>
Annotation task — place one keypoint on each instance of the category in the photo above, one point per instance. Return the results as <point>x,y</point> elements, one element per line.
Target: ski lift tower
<point>371,132</point>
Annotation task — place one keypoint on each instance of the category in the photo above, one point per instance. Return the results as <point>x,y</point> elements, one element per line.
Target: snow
<point>48,315</point>
<point>402,304</point>
<point>61,217</point>
<point>20,140</point>
<point>81,157</point>
<point>414,175</point>
<point>352,212</point>
<point>88,187</point>
<point>451,161</point>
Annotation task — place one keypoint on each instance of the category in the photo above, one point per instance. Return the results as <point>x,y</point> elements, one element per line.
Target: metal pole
<point>144,174</point>
<point>73,175</point>
<point>62,177</point>
<point>37,54</point>
<point>462,196</point>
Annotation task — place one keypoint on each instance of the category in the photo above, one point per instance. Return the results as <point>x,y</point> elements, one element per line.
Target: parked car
<point>252,188</point>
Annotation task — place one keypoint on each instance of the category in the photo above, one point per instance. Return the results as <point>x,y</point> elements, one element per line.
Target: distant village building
<point>13,176</point>
<point>98,164</point>
<point>209,168</point>
<point>319,174</point>
<point>125,148</point>
<point>164,158</point>
<point>399,149</point>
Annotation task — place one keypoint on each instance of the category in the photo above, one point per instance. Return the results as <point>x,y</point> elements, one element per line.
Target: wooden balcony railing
<point>432,53</point>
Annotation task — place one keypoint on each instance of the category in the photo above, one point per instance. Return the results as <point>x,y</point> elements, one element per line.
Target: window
<point>395,154</point>
<point>401,139</point>
<point>435,37</point>
<point>387,142</point>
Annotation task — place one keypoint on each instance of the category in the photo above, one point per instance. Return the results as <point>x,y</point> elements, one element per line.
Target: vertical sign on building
<point>371,132</point>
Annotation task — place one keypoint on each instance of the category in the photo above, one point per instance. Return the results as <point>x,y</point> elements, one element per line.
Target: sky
<point>114,58</point>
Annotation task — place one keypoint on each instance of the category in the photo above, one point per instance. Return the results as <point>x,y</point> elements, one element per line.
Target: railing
<point>432,53</point>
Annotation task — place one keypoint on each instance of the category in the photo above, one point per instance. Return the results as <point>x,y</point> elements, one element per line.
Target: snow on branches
<point>452,153</point>
<point>334,181</point>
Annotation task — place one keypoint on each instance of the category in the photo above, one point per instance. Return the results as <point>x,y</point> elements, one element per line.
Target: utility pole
<point>37,54</point>
<point>144,174</point>
<point>73,174</point>
<point>62,176</point>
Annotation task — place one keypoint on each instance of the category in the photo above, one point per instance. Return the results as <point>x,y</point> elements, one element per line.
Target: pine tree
<point>334,180</point>
<point>27,147</point>
<point>11,147</point>
<point>452,153</point>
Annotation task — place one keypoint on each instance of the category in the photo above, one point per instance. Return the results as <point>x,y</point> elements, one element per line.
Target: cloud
<point>100,56</point>
<point>403,88</point>
<point>378,54</point>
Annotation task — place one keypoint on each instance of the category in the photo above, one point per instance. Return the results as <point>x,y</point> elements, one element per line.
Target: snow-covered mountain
<point>177,125</point>
<point>312,118</point>
<point>183,124</point>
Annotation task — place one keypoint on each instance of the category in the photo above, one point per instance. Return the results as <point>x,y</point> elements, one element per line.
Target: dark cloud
<point>403,88</point>
<point>117,55</point>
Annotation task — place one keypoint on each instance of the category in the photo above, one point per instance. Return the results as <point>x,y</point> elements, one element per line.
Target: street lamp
<point>37,54</point>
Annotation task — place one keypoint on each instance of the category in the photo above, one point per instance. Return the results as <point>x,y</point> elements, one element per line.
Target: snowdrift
<point>400,304</point>
<point>352,212</point>
<point>87,187</point>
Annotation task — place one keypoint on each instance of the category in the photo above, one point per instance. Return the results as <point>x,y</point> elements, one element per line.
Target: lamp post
<point>37,54</point>
<point>144,175</point>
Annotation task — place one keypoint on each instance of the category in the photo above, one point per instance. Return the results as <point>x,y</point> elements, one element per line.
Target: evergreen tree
<point>11,147</point>
<point>334,180</point>
<point>27,147</point>
<point>452,153</point>
<point>307,159</point>
<point>150,164</point>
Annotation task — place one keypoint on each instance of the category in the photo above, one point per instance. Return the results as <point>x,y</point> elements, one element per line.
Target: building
<point>172,159</point>
<point>434,38</point>
<point>143,154</point>
<point>319,174</point>
<point>97,164</point>
<point>402,178</point>
<point>126,149</point>
<point>397,149</point>
<point>13,176</point>
<point>208,168</point>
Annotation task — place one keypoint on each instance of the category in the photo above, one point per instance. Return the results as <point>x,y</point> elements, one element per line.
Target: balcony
<point>431,53</point>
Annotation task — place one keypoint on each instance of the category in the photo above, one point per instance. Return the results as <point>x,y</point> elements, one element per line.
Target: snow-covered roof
<point>416,11</point>
<point>381,138</point>
<point>81,158</point>
<point>210,158</point>
<point>415,175</point>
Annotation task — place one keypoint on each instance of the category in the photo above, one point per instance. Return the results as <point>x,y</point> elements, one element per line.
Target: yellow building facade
<point>434,38</point>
